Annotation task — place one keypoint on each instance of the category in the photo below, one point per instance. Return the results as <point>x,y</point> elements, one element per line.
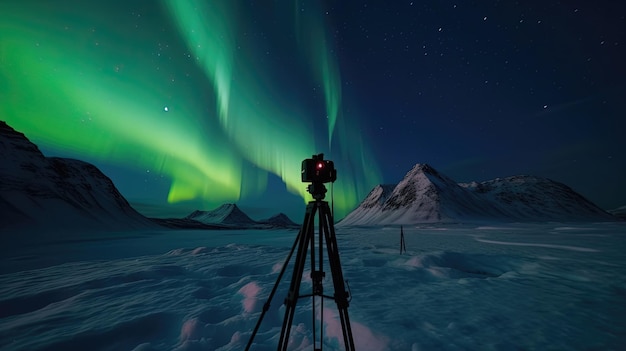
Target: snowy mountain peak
<point>225,214</point>
<point>423,173</point>
<point>426,195</point>
<point>422,168</point>
<point>417,197</point>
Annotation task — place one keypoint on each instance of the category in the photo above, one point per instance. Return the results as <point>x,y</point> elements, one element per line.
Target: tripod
<point>304,241</point>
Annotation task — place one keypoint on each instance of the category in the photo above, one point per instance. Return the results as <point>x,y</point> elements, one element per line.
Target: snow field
<point>491,287</point>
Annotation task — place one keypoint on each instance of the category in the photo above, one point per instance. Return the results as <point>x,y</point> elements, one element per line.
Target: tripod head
<point>317,190</point>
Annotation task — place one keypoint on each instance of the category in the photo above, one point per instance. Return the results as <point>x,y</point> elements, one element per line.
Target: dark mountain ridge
<point>279,220</point>
<point>225,214</point>
<point>60,194</point>
<point>230,215</point>
<point>57,193</point>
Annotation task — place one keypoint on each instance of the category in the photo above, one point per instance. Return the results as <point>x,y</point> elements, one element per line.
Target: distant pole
<point>402,243</point>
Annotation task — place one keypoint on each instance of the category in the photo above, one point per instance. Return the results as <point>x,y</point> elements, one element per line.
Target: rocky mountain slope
<point>538,199</point>
<point>57,193</point>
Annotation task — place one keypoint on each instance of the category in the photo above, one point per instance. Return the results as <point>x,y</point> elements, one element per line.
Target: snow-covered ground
<point>460,287</point>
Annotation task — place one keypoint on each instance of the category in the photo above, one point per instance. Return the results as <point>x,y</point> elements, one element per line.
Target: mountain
<point>426,195</point>
<point>279,220</point>
<point>619,212</point>
<point>228,214</point>
<point>57,193</point>
<point>534,198</point>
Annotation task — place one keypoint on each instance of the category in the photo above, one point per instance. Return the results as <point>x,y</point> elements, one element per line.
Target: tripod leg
<point>341,295</point>
<point>307,231</point>
<point>266,306</point>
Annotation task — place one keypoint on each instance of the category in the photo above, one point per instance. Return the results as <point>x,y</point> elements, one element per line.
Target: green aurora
<point>183,91</point>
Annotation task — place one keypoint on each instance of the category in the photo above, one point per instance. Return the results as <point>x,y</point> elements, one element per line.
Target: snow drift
<point>524,286</point>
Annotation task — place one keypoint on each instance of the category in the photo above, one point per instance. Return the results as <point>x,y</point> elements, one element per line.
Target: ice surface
<point>557,286</point>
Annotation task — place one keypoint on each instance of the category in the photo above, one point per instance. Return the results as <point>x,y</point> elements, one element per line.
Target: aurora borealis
<point>186,98</point>
<point>190,104</point>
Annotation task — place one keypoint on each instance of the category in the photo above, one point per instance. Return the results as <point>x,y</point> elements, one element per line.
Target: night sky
<point>190,104</point>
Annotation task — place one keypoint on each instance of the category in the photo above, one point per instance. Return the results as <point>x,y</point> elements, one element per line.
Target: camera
<point>318,170</point>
